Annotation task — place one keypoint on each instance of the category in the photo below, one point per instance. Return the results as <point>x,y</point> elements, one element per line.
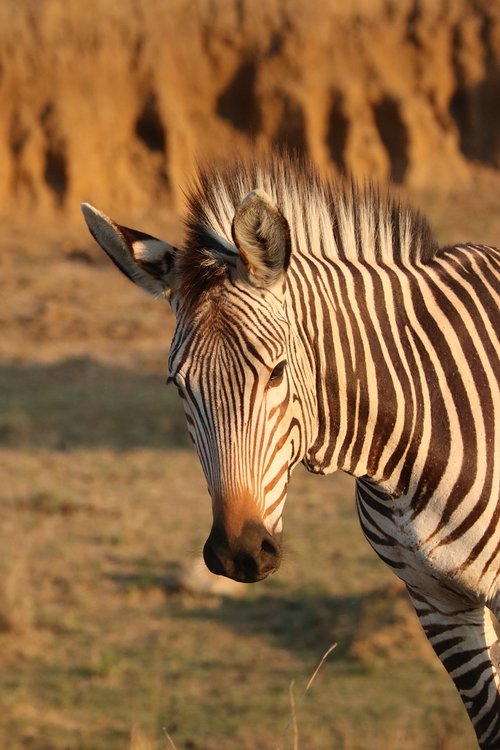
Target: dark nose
<point>250,557</point>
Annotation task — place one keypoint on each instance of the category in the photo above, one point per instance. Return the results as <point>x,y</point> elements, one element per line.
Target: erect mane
<point>335,219</point>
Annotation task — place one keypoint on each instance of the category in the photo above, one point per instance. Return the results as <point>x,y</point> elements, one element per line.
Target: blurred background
<point>116,101</point>
<point>105,641</point>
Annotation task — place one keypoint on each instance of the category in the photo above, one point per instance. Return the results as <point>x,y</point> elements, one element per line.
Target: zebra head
<point>237,362</point>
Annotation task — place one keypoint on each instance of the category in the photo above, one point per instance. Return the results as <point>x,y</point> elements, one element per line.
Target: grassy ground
<point>102,505</point>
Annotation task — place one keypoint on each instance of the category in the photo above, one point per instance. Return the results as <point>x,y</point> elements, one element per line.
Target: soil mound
<point>114,102</point>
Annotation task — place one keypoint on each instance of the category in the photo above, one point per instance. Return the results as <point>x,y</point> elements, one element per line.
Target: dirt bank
<point>114,102</point>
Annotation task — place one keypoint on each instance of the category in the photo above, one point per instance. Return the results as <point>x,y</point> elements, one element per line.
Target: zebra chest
<point>408,546</point>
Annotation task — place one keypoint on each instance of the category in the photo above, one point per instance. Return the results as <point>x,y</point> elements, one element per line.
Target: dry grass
<point>97,516</point>
<point>16,596</point>
<point>294,706</point>
<point>139,740</point>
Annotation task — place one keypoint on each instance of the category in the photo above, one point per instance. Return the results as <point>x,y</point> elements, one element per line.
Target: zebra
<point>318,321</point>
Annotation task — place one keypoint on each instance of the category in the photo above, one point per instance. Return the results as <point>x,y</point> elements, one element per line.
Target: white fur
<point>150,251</point>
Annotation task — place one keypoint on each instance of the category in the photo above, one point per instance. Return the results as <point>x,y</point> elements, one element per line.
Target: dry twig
<point>293,706</point>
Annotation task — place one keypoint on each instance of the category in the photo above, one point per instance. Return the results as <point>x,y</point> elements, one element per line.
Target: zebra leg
<point>469,649</point>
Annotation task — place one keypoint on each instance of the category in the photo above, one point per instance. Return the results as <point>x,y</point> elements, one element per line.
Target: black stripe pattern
<point>392,374</point>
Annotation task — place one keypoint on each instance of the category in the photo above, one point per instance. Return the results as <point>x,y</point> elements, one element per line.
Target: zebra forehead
<point>224,329</point>
<point>228,326</point>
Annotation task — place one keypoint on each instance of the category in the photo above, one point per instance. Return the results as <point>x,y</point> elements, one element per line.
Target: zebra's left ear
<point>262,236</point>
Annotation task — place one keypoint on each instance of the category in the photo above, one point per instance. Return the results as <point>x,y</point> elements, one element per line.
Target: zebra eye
<point>277,373</point>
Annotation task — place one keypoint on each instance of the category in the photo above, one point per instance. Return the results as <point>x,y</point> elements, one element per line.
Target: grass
<point>16,603</point>
<point>103,503</point>
<point>112,646</point>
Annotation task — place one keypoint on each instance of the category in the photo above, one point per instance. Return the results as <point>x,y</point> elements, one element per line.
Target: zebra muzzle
<point>250,557</point>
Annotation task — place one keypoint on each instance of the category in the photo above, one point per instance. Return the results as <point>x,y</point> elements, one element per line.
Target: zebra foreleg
<point>469,649</point>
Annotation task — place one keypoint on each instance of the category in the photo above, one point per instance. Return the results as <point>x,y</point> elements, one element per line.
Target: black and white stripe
<point>401,390</point>
<point>321,323</point>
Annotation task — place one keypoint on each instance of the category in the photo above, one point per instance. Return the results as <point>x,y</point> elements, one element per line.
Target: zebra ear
<point>147,261</point>
<point>262,236</point>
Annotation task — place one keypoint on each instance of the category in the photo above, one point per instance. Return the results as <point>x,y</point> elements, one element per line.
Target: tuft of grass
<point>16,596</point>
<point>139,740</point>
<point>293,722</point>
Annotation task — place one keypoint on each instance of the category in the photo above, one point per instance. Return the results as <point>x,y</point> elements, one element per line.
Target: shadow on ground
<point>83,403</point>
<point>304,623</point>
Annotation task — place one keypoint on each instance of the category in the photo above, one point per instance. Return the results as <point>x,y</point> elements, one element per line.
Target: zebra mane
<point>336,219</point>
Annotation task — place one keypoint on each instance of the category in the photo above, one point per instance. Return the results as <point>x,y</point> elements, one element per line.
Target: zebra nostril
<point>268,547</point>
<point>212,560</point>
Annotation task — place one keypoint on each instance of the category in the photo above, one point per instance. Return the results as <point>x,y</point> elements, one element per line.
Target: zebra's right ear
<point>262,236</point>
<point>147,261</point>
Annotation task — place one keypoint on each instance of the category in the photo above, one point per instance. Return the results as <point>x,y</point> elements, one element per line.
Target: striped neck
<point>369,411</point>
